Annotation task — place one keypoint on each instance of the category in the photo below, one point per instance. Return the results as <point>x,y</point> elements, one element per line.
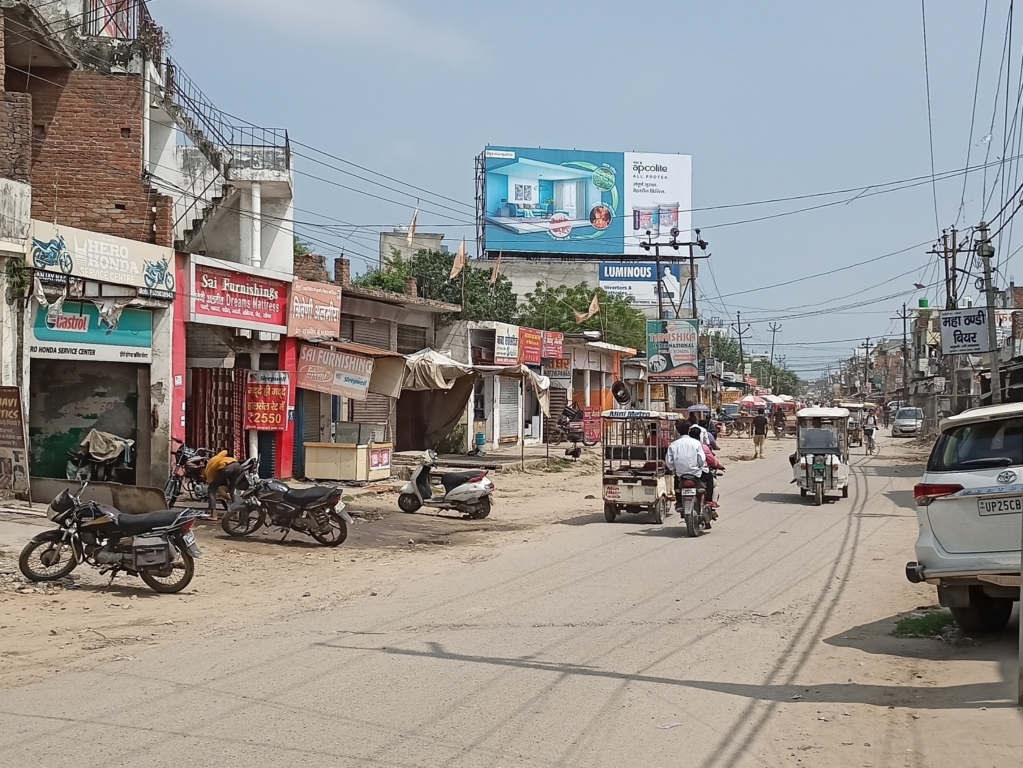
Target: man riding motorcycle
<point>686,458</point>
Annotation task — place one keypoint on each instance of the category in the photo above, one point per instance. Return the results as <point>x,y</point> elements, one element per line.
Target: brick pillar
<point>411,287</point>
<point>342,271</point>
<point>163,230</point>
<point>3,56</point>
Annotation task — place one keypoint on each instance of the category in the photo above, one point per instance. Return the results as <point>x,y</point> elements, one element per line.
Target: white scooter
<point>467,491</point>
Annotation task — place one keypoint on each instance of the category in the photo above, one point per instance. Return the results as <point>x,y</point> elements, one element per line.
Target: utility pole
<point>953,303</point>
<point>986,251</point>
<point>741,332</point>
<point>773,328</point>
<point>905,354</point>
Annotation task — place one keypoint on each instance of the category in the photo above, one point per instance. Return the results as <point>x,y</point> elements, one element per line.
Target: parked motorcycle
<point>570,426</point>
<point>159,547</point>
<point>188,473</point>
<point>315,511</point>
<point>468,492</point>
<point>101,456</point>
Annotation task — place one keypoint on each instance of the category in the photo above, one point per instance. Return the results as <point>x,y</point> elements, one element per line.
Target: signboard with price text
<point>266,400</point>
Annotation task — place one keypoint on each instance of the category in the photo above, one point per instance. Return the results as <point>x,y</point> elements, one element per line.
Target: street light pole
<point>986,251</point>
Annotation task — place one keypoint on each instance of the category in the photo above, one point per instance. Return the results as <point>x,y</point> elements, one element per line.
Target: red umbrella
<point>753,401</point>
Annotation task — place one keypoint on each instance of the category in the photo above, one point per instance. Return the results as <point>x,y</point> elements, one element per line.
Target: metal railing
<point>116,19</point>
<point>241,145</point>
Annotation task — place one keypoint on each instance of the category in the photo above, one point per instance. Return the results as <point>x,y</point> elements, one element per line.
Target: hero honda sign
<point>241,297</point>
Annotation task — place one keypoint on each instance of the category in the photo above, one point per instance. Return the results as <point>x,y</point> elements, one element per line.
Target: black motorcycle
<point>570,426</point>
<point>159,547</point>
<point>188,473</point>
<point>315,511</point>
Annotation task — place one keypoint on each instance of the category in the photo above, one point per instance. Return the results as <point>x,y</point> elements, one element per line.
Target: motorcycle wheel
<point>172,490</point>
<point>336,535</point>
<point>693,527</point>
<point>168,281</point>
<point>818,495</point>
<point>176,578</point>
<point>409,503</point>
<point>49,565</point>
<point>232,524</point>
<point>589,443</point>
<point>556,437</point>
<point>484,509</point>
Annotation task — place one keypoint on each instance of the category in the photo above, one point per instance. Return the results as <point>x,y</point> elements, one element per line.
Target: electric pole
<point>741,332</point>
<point>986,251</point>
<point>905,355</point>
<point>866,366</point>
<point>773,328</point>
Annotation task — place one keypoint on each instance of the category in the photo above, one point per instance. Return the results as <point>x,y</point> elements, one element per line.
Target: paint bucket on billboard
<point>668,216</point>
<point>646,218</point>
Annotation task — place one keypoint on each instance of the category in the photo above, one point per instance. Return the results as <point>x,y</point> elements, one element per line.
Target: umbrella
<point>698,408</point>
<point>753,400</point>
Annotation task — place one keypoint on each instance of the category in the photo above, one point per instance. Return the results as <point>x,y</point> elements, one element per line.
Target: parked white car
<point>908,421</point>
<point>969,505</point>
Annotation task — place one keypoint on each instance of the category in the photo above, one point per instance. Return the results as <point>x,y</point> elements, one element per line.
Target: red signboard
<point>266,401</point>
<point>238,299</point>
<point>530,346</point>
<point>553,345</point>
<point>591,422</point>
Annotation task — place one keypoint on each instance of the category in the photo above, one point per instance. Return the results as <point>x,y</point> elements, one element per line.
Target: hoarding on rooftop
<point>584,203</point>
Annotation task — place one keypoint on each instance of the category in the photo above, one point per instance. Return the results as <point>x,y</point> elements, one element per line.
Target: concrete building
<point>397,240</point>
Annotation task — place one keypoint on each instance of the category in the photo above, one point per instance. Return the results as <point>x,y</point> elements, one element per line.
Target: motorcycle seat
<point>451,480</point>
<point>305,496</point>
<point>133,525</point>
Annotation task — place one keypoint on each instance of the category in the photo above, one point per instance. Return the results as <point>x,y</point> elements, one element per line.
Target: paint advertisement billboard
<point>75,331</point>
<point>581,202</point>
<point>671,352</point>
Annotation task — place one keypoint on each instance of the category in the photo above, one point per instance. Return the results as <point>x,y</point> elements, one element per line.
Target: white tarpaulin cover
<point>429,369</point>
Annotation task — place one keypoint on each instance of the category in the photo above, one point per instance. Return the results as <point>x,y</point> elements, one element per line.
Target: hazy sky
<point>771,100</point>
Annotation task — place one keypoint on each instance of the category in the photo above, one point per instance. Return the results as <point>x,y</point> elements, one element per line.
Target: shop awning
<point>429,369</point>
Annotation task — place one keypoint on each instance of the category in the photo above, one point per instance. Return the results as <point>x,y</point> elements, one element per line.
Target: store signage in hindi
<point>75,331</point>
<point>314,310</point>
<point>13,455</point>
<point>553,345</point>
<point>60,253</point>
<point>238,299</point>
<point>964,331</point>
<point>672,352</point>
<point>530,346</point>
<point>322,369</point>
<point>266,400</point>
<point>506,344</point>
<point>559,371</point>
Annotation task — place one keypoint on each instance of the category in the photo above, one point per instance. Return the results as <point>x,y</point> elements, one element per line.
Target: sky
<point>772,100</point>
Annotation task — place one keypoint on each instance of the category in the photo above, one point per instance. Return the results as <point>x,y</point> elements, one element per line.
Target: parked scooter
<point>468,492</point>
<point>159,547</point>
<point>315,511</point>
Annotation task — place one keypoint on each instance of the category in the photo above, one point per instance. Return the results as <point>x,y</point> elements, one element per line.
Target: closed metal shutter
<point>267,453</point>
<point>509,404</point>
<point>375,409</point>
<point>411,339</point>
<point>311,427</point>
<point>373,334</point>
<point>307,427</point>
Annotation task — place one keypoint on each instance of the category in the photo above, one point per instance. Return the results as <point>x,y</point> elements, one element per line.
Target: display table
<point>337,461</point>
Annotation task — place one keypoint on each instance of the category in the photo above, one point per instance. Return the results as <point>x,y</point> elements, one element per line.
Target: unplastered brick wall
<point>310,266</point>
<point>86,131</point>
<point>16,136</point>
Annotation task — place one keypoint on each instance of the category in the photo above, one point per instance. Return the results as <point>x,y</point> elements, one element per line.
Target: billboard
<point>964,331</point>
<point>671,352</point>
<point>639,281</point>
<point>586,203</point>
<point>75,331</point>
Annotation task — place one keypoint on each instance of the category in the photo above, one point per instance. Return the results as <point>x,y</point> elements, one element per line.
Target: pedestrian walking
<point>759,433</point>
<point>884,415</point>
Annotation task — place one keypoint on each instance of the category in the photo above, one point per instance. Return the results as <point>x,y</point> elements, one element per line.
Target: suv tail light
<point>925,493</point>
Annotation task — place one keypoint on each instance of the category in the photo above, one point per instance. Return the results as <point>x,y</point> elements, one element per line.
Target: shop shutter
<point>374,334</point>
<point>375,409</point>
<point>411,339</point>
<point>311,426</point>
<point>509,402</point>
<point>267,453</point>
<point>559,399</point>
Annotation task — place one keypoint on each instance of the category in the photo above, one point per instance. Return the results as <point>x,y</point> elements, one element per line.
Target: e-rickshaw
<point>821,461</point>
<point>635,478</point>
<point>855,422</point>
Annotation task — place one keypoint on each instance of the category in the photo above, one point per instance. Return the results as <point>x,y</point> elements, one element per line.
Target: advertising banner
<point>530,346</point>
<point>580,202</point>
<point>506,344</point>
<point>314,311</point>
<point>13,456</point>
<point>74,331</point>
<point>964,331</point>
<point>68,252</point>
<point>380,458</point>
<point>321,369</point>
<point>671,351</point>
<point>559,371</point>
<point>591,422</point>
<point>237,299</point>
<point>553,345</point>
<point>638,281</point>
<point>266,400</point>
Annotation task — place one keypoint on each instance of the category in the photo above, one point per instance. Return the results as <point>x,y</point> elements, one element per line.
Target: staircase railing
<point>116,19</point>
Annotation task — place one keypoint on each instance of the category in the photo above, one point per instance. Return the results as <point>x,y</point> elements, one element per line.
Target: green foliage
<point>19,278</point>
<point>927,624</point>
<point>726,350</point>
<point>784,382</point>
<point>301,247</point>
<point>431,270</point>
<point>454,442</point>
<point>551,309</point>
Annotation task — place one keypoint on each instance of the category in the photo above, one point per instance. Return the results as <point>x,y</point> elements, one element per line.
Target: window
<point>909,413</point>
<point>479,408</point>
<point>985,445</point>
<point>411,339</point>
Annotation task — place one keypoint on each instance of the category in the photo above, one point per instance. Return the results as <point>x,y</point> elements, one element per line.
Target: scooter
<point>468,492</point>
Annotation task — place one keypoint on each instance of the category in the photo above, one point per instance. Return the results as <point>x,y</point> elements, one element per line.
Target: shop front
<point>96,352</point>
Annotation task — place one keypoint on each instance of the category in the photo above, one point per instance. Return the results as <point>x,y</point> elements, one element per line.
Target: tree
<point>726,350</point>
<point>553,309</point>
<point>301,247</point>
<point>471,289</point>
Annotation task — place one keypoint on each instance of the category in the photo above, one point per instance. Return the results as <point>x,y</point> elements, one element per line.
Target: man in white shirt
<point>685,457</point>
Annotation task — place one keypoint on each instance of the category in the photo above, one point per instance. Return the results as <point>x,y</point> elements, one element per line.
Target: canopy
<point>823,413</point>
<point>429,369</point>
<point>753,400</point>
<point>698,408</point>
<point>623,414</point>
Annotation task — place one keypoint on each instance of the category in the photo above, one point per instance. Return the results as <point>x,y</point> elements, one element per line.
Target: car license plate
<point>999,506</point>
<point>189,539</point>
<point>612,492</point>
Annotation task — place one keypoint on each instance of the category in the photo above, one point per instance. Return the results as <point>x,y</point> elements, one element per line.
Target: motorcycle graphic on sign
<point>158,275</point>
<point>52,254</point>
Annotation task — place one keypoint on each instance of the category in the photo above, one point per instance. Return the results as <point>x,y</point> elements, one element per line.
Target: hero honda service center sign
<point>237,299</point>
<point>581,202</point>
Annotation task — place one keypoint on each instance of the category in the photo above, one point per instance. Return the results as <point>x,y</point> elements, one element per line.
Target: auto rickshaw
<point>821,461</point>
<point>855,422</point>
<point>635,479</point>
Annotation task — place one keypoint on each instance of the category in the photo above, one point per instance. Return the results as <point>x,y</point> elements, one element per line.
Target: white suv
<point>969,507</point>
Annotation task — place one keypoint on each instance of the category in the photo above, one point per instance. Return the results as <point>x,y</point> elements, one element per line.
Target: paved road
<point>763,643</point>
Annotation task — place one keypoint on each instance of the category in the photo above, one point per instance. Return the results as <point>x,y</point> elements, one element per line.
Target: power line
<point>973,113</point>
<point>930,129</point>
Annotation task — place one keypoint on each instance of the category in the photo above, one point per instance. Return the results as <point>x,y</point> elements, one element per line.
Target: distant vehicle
<point>968,506</point>
<point>908,421</point>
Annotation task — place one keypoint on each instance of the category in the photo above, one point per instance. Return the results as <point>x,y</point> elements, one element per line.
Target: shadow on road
<point>779,498</point>
<point>902,499</point>
<point>660,531</point>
